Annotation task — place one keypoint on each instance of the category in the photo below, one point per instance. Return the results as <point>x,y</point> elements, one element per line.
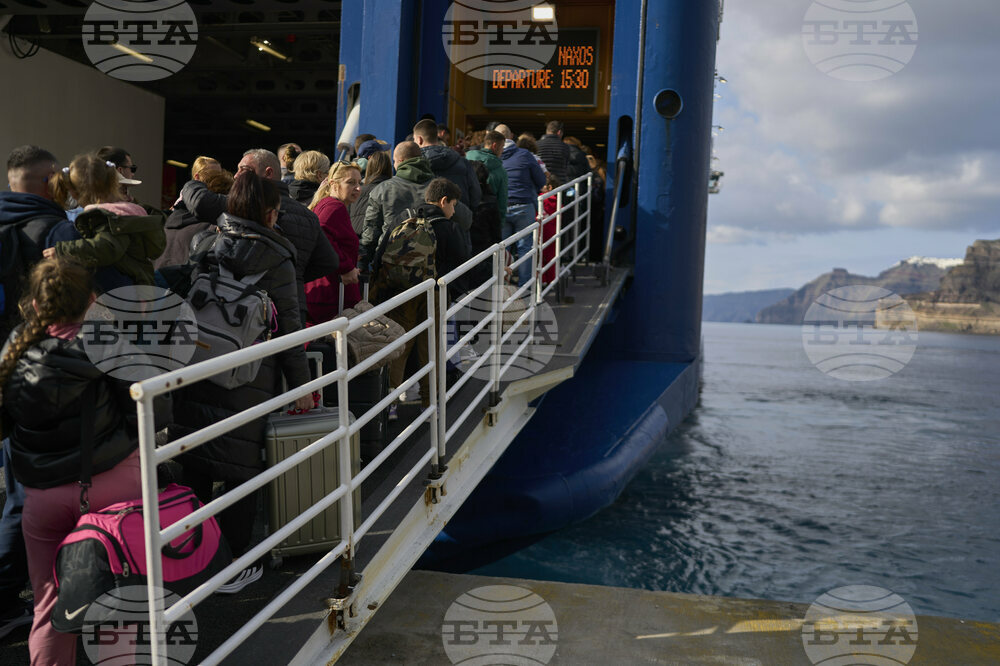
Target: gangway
<point>430,465</point>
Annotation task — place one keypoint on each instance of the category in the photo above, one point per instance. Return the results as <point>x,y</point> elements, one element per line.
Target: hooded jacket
<point>525,179</point>
<point>34,216</point>
<point>314,256</point>
<point>446,163</point>
<point>497,178</point>
<point>244,247</point>
<point>130,243</point>
<point>302,190</point>
<point>389,201</point>
<point>43,401</point>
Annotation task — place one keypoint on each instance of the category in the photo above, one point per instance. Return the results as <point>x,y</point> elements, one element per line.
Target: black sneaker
<point>10,619</point>
<point>248,576</point>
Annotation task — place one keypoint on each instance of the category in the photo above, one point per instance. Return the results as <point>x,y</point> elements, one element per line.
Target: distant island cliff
<point>968,298</point>
<point>910,276</point>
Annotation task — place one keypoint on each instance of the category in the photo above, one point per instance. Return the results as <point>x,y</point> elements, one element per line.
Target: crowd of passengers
<point>71,232</point>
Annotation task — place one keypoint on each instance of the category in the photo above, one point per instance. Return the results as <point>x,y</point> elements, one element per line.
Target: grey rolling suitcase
<point>308,482</point>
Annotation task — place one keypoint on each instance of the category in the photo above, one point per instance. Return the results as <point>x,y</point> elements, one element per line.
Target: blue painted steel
<point>665,316</point>
<point>640,378</point>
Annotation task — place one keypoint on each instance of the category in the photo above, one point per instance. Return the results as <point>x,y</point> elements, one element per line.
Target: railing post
<point>344,446</point>
<point>496,330</point>
<point>441,354</point>
<point>558,266</point>
<point>590,208</point>
<point>434,384</point>
<point>151,527</point>
<point>536,250</point>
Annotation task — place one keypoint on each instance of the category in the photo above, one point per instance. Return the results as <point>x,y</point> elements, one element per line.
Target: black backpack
<point>12,274</point>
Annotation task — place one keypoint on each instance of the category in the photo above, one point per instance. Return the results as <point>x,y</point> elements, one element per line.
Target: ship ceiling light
<point>256,125</point>
<point>179,165</point>
<point>135,54</point>
<point>543,13</point>
<point>265,46</point>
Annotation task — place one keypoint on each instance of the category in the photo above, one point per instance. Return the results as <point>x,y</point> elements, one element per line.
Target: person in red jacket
<point>332,206</point>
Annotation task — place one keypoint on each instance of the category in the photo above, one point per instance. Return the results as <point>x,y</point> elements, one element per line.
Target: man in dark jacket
<point>446,163</point>
<point>525,179</point>
<point>489,155</point>
<point>553,151</point>
<point>27,216</point>
<point>577,165</point>
<point>314,256</point>
<point>389,201</point>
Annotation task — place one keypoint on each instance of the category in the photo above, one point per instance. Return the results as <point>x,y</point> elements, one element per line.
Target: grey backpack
<point>232,314</point>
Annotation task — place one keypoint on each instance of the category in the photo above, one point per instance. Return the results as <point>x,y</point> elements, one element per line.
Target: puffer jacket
<point>314,256</point>
<point>446,163</point>
<point>302,191</point>
<point>389,202</point>
<point>42,404</point>
<point>130,243</point>
<point>555,154</point>
<point>181,227</point>
<point>244,247</point>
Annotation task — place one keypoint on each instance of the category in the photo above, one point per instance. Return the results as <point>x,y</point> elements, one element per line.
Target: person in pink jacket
<point>332,206</point>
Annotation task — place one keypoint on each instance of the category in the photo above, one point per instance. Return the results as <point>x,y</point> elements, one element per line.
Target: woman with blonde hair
<point>310,168</point>
<point>338,191</point>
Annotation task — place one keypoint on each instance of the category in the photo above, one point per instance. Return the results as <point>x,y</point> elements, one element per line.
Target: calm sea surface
<point>786,483</point>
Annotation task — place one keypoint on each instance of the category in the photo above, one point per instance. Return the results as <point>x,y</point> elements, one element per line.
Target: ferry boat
<point>498,456</point>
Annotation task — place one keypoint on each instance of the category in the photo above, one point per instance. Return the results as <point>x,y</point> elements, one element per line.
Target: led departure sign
<point>568,79</point>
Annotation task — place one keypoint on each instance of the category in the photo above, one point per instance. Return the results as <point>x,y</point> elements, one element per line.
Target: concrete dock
<point>608,625</point>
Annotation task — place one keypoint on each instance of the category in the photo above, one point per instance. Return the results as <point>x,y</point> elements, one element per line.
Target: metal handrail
<point>435,415</point>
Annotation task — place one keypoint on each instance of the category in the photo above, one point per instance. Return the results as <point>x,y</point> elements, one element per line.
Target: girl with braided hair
<point>47,383</point>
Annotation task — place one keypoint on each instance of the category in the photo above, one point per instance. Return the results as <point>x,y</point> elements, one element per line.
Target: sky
<point>823,172</point>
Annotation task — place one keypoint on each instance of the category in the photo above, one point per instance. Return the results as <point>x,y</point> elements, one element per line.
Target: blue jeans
<point>13,559</point>
<point>520,217</point>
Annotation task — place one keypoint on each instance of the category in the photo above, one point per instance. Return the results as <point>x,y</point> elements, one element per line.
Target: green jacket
<point>497,178</point>
<point>130,243</point>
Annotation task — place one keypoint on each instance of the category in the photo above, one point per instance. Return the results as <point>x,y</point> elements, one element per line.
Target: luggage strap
<point>87,416</point>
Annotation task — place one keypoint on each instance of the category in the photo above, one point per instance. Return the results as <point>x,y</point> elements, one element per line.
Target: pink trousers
<point>49,515</point>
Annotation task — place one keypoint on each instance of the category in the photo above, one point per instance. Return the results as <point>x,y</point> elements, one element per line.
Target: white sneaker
<point>412,395</point>
<point>250,575</point>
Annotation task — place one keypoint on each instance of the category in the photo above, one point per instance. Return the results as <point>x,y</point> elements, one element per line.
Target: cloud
<point>805,153</point>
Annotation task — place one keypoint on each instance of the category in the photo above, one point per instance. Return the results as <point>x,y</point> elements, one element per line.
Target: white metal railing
<point>434,325</point>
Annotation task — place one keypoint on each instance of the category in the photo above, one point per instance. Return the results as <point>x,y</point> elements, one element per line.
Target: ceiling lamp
<point>543,13</point>
<point>179,165</point>
<point>256,125</point>
<point>265,46</point>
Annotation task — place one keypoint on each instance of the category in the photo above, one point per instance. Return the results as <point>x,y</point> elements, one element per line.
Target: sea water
<point>786,483</point>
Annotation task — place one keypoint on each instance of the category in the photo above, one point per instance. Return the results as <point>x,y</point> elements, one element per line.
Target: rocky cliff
<point>907,277</point>
<point>968,299</point>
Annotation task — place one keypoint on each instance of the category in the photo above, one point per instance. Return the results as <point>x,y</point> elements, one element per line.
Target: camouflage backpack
<point>409,253</point>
